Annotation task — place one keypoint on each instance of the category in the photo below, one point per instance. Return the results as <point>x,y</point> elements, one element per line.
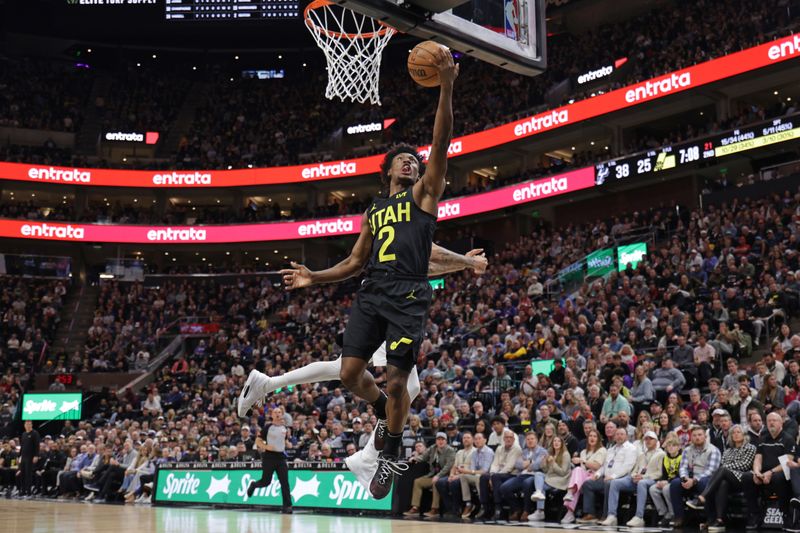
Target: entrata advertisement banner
<point>282,231</point>
<point>279,231</point>
<point>321,489</point>
<point>52,405</point>
<point>655,88</point>
<point>522,193</point>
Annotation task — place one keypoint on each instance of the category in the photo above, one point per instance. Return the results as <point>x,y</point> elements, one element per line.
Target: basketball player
<point>392,303</point>
<point>362,463</point>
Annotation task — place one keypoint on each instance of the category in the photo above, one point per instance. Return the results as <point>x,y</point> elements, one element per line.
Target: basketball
<point>421,64</point>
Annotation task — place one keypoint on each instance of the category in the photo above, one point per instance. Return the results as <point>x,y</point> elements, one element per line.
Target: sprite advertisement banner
<point>326,489</point>
<point>600,263</point>
<point>631,253</point>
<point>52,405</point>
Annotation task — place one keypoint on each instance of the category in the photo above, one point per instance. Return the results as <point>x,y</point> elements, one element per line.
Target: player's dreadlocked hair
<point>396,150</point>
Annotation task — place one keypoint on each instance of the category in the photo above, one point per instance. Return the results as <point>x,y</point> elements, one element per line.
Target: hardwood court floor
<point>18,516</point>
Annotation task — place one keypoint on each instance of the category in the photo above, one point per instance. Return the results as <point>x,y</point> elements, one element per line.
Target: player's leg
<point>315,372</point>
<point>379,359</point>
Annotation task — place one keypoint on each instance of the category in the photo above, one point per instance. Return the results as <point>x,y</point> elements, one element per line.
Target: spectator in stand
<point>480,465</point>
<point>556,466</point>
<point>614,404</point>
<point>699,462</point>
<point>736,461</point>
<point>644,475</point>
<point>440,459</point>
<point>449,488</point>
<point>504,466</point>
<point>667,379</point>
<point>585,466</point>
<point>767,470</point>
<point>530,466</point>
<point>660,491</point>
<point>620,460</point>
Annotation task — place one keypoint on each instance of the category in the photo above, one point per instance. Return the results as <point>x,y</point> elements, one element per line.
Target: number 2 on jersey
<point>382,255</point>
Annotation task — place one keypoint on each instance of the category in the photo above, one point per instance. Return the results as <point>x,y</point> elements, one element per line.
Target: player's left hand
<point>297,277</point>
<point>479,261</point>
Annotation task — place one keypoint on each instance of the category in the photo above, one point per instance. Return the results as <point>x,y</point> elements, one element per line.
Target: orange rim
<point>316,4</point>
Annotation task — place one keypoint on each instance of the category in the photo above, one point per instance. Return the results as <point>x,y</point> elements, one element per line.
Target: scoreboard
<point>210,10</point>
<point>707,148</point>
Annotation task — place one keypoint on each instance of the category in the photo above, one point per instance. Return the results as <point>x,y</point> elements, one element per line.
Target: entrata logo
<point>650,89</point>
<point>364,128</point>
<point>789,47</point>
<point>60,174</point>
<point>542,122</point>
<point>332,227</point>
<point>342,168</point>
<point>454,148</point>
<point>179,178</point>
<point>450,210</point>
<point>170,234</point>
<point>541,188</point>
<point>124,137</point>
<point>48,231</point>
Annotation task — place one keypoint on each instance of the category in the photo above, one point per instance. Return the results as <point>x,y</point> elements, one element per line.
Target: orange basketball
<point>421,64</point>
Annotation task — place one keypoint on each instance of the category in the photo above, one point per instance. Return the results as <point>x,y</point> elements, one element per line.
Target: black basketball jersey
<point>402,234</point>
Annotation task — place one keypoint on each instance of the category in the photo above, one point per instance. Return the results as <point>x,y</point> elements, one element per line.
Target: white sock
<point>312,373</point>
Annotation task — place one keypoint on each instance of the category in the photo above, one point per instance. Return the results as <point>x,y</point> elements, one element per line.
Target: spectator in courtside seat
<point>700,460</point>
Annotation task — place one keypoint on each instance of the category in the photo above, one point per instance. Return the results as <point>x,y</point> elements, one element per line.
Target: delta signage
<point>689,78</point>
<point>519,194</point>
<point>52,406</point>
<point>150,137</point>
<point>334,489</point>
<point>600,263</point>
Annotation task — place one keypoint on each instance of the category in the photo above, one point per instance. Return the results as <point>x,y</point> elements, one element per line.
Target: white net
<point>353,44</point>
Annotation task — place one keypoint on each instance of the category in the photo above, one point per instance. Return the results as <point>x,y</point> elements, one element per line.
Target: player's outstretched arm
<point>430,188</point>
<point>444,261</point>
<point>300,276</point>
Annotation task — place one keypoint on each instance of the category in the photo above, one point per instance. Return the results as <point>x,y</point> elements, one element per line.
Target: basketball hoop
<point>353,44</point>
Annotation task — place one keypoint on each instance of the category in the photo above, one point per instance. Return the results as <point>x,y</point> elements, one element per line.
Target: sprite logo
<point>327,489</point>
<point>187,484</point>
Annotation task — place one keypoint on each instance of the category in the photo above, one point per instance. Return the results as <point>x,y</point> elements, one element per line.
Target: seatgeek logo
<point>651,89</point>
<point>323,170</point>
<point>331,227</point>
<point>67,175</point>
<point>557,117</point>
<point>52,232</point>
<point>183,178</point>
<point>176,235</point>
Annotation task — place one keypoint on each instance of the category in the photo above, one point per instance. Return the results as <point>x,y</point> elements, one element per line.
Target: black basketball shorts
<point>390,310</point>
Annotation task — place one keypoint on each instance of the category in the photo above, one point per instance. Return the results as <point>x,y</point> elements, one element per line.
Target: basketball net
<point>353,44</point>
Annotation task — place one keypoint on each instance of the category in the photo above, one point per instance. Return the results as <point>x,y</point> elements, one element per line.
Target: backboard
<point>508,33</point>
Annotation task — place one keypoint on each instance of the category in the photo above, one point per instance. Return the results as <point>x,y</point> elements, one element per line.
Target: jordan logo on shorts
<point>395,344</point>
<point>411,296</point>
